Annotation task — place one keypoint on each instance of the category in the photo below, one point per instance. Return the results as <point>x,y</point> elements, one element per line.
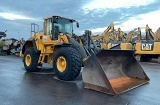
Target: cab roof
<point>59,17</point>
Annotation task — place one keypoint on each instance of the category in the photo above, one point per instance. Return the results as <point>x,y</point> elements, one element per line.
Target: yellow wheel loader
<point>107,71</point>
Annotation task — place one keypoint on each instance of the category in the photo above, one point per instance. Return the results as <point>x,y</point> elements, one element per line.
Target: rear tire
<point>31,60</point>
<point>67,63</point>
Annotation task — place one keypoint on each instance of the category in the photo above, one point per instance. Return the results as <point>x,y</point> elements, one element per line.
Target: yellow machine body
<point>108,71</point>
<point>149,48</point>
<point>152,48</point>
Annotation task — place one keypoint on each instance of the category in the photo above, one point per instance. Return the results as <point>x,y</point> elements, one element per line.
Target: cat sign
<point>147,46</point>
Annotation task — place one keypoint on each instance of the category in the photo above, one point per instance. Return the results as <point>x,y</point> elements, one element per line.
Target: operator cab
<point>57,25</point>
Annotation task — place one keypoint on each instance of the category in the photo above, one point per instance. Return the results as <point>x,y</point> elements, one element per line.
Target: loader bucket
<point>113,72</point>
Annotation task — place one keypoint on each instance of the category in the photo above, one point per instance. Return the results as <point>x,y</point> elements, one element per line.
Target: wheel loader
<point>108,71</point>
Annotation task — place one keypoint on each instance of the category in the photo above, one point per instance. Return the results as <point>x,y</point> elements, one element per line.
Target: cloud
<point>104,4</point>
<point>98,30</point>
<point>13,16</point>
<point>150,18</point>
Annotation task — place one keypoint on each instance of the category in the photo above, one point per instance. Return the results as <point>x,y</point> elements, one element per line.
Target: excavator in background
<point>150,47</point>
<point>125,41</point>
<point>110,37</point>
<point>130,39</point>
<point>119,37</point>
<point>149,33</point>
<point>108,71</point>
<point>133,34</point>
<point>105,37</point>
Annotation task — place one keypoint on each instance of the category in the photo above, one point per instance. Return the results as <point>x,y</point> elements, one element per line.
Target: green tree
<point>1,43</point>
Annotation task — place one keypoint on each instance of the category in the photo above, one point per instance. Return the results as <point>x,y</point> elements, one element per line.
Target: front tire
<point>67,63</point>
<point>31,60</point>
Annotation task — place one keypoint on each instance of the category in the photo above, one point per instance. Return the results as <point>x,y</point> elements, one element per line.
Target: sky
<point>95,15</point>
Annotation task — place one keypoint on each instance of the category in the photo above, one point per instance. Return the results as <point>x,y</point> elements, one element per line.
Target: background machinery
<point>130,39</point>
<point>108,71</point>
<point>3,34</point>
<point>110,37</point>
<point>105,37</point>
<point>8,45</point>
<point>11,46</point>
<point>150,47</point>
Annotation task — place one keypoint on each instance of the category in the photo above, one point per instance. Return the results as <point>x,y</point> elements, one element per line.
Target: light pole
<point>19,35</point>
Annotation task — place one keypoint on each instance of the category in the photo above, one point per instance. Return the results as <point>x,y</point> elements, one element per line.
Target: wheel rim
<point>28,60</point>
<point>61,64</point>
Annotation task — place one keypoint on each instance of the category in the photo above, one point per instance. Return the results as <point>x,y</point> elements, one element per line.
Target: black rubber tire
<point>145,59</point>
<point>73,60</point>
<point>141,58</point>
<point>33,67</point>
<point>149,59</point>
<point>159,59</point>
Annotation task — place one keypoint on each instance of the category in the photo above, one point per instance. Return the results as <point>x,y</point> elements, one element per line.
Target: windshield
<point>65,26</point>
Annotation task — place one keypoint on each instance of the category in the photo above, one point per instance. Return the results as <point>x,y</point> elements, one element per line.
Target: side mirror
<point>77,24</point>
<point>55,33</point>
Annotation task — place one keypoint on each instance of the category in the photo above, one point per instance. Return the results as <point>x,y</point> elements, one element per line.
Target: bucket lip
<point>111,91</point>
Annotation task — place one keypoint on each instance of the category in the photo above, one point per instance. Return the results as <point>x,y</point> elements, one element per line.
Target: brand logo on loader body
<point>147,47</point>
